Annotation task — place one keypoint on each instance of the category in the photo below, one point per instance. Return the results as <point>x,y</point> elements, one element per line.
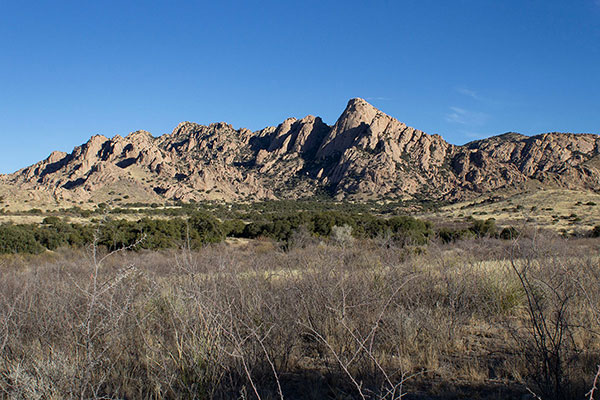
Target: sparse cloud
<point>474,135</point>
<point>466,117</point>
<point>470,93</point>
<point>468,135</point>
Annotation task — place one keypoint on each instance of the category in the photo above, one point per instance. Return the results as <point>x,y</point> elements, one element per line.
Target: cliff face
<point>366,154</point>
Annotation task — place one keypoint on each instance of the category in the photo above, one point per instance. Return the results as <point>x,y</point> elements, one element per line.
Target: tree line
<point>201,228</point>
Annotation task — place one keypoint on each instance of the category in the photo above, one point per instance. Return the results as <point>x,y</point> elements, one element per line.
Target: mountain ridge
<point>366,154</point>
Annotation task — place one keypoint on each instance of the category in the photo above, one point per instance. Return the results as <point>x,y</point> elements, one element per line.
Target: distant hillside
<point>365,155</point>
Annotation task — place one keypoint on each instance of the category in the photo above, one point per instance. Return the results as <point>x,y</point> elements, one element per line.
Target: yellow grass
<point>556,209</point>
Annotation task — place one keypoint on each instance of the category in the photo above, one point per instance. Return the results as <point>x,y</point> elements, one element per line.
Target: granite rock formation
<point>366,154</point>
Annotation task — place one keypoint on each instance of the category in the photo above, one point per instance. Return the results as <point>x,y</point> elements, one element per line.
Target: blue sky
<point>464,69</point>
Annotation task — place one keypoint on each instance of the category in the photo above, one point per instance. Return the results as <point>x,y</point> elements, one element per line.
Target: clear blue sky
<point>464,69</point>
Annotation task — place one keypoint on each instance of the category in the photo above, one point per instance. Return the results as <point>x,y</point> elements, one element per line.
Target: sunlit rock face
<point>366,154</point>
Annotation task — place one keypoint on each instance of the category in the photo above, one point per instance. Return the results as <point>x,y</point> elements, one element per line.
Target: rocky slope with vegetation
<point>366,154</point>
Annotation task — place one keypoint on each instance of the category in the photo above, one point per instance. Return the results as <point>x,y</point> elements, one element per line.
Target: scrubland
<point>336,318</point>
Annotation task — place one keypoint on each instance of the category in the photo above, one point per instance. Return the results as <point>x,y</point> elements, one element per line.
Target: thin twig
<point>594,385</point>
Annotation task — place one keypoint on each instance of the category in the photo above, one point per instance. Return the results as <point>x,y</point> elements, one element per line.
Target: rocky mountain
<point>366,155</point>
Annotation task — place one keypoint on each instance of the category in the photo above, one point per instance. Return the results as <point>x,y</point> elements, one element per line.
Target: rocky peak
<point>218,126</point>
<point>184,128</point>
<point>359,107</point>
<point>366,154</point>
<point>139,135</point>
<point>302,136</point>
<point>56,156</point>
<point>360,120</point>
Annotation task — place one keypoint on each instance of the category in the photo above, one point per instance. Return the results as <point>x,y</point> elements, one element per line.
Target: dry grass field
<point>483,318</point>
<point>560,210</point>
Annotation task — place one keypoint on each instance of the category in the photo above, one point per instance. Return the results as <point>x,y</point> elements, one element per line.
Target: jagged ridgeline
<point>365,155</point>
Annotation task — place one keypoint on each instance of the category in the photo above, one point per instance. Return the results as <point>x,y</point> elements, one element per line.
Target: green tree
<point>205,228</point>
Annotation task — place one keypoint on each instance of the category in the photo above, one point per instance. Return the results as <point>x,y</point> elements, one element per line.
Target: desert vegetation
<point>199,227</point>
<point>155,227</point>
<point>314,316</point>
<point>194,225</point>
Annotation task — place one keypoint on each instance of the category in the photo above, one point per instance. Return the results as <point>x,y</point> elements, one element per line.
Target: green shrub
<point>447,235</point>
<point>205,229</point>
<point>161,233</point>
<point>52,220</point>
<point>484,228</point>
<point>509,233</point>
<point>409,230</point>
<point>18,239</point>
<point>234,227</point>
<point>117,234</point>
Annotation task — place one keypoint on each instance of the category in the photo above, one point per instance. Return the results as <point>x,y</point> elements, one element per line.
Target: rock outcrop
<point>366,154</point>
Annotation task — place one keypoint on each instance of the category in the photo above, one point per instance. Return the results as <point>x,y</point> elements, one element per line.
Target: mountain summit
<point>366,154</point>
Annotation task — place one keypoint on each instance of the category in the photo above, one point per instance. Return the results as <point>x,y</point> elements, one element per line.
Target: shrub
<point>485,228</point>
<point>409,230</point>
<point>18,239</point>
<point>205,229</point>
<point>509,233</point>
<point>447,235</point>
<point>52,220</point>
<point>342,235</point>
<point>234,227</point>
